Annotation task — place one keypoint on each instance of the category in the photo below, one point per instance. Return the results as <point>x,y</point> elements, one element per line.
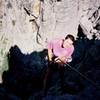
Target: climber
<point>58,49</point>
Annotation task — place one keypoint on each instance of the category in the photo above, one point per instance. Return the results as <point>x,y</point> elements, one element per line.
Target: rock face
<point>42,20</point>
<point>30,24</point>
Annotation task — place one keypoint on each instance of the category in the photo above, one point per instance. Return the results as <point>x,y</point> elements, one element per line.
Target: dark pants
<point>51,68</point>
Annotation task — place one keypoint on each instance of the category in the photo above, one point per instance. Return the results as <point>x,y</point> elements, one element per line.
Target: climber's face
<point>67,42</point>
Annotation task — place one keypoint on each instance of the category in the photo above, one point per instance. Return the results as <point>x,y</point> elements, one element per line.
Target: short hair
<point>71,37</point>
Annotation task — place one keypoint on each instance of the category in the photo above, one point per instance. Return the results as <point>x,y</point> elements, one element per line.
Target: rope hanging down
<point>89,80</point>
